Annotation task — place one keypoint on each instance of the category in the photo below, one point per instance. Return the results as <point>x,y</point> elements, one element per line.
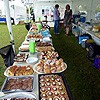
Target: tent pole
<point>29,9</point>
<point>91,9</point>
<point>7,10</point>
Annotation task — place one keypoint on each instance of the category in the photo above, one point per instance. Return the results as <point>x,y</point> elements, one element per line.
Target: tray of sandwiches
<point>53,87</point>
<point>50,66</point>
<point>18,84</point>
<point>20,96</point>
<point>19,70</point>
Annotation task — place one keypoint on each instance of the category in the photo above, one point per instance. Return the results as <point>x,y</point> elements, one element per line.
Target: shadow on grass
<point>82,78</point>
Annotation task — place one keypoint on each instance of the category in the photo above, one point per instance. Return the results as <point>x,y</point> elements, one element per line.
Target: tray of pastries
<point>50,66</point>
<point>43,44</point>
<point>18,84</point>
<point>34,30</point>
<point>53,87</point>
<point>36,36</point>
<point>45,48</point>
<point>16,70</point>
<point>19,96</point>
<point>21,57</point>
<point>48,55</point>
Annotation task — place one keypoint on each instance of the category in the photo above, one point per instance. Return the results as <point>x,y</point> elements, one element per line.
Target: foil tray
<point>17,90</point>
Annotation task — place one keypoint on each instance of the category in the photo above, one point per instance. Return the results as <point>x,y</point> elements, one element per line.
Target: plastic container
<point>82,19</point>
<point>81,38</point>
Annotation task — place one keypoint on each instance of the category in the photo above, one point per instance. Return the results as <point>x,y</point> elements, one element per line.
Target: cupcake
<point>54,88</point>
<point>43,89</point>
<point>54,83</point>
<point>43,95</point>
<point>60,88</point>
<point>56,98</point>
<point>43,98</point>
<point>49,94</point>
<point>50,98</point>
<point>48,88</point>
<point>48,83</point>
<point>59,84</point>
<point>47,79</point>
<point>42,80</point>
<point>62,93</point>
<point>63,98</point>
<point>56,93</point>
<point>58,79</point>
<point>42,84</point>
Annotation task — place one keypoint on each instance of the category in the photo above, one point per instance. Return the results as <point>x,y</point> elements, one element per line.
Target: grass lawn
<point>19,33</point>
<point>82,78</point>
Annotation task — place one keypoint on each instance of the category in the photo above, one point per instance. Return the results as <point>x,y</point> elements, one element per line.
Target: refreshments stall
<point>37,71</point>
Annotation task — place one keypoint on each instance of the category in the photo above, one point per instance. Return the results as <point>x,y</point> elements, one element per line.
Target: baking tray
<point>19,95</point>
<point>15,78</point>
<point>64,81</point>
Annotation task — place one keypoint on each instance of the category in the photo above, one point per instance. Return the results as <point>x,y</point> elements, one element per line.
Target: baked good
<point>50,66</point>
<point>19,83</point>
<point>20,70</point>
<point>52,88</point>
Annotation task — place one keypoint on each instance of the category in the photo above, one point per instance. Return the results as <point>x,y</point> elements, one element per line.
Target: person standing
<point>56,16</point>
<point>68,19</point>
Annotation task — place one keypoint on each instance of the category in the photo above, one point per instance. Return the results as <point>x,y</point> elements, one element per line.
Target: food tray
<point>18,84</point>
<point>21,57</point>
<point>35,69</point>
<point>64,82</point>
<point>27,69</point>
<point>48,54</point>
<point>19,95</point>
<point>47,48</point>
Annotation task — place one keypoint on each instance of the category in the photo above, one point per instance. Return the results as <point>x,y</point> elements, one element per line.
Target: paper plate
<point>35,69</point>
<point>32,60</point>
<point>19,95</point>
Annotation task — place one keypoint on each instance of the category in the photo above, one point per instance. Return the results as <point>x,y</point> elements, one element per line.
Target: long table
<point>36,83</point>
<point>95,38</point>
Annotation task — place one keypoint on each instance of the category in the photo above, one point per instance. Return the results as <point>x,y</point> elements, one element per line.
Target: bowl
<point>32,60</point>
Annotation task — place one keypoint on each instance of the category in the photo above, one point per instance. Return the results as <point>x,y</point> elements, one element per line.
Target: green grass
<point>19,33</point>
<point>82,78</point>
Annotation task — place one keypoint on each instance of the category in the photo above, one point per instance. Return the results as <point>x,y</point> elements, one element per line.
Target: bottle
<point>32,46</point>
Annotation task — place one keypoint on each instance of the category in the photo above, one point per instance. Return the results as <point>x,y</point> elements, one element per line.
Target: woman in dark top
<point>67,18</point>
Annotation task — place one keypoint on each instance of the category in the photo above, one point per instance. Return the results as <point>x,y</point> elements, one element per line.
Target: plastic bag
<point>8,55</point>
<point>93,50</point>
<point>97,61</point>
